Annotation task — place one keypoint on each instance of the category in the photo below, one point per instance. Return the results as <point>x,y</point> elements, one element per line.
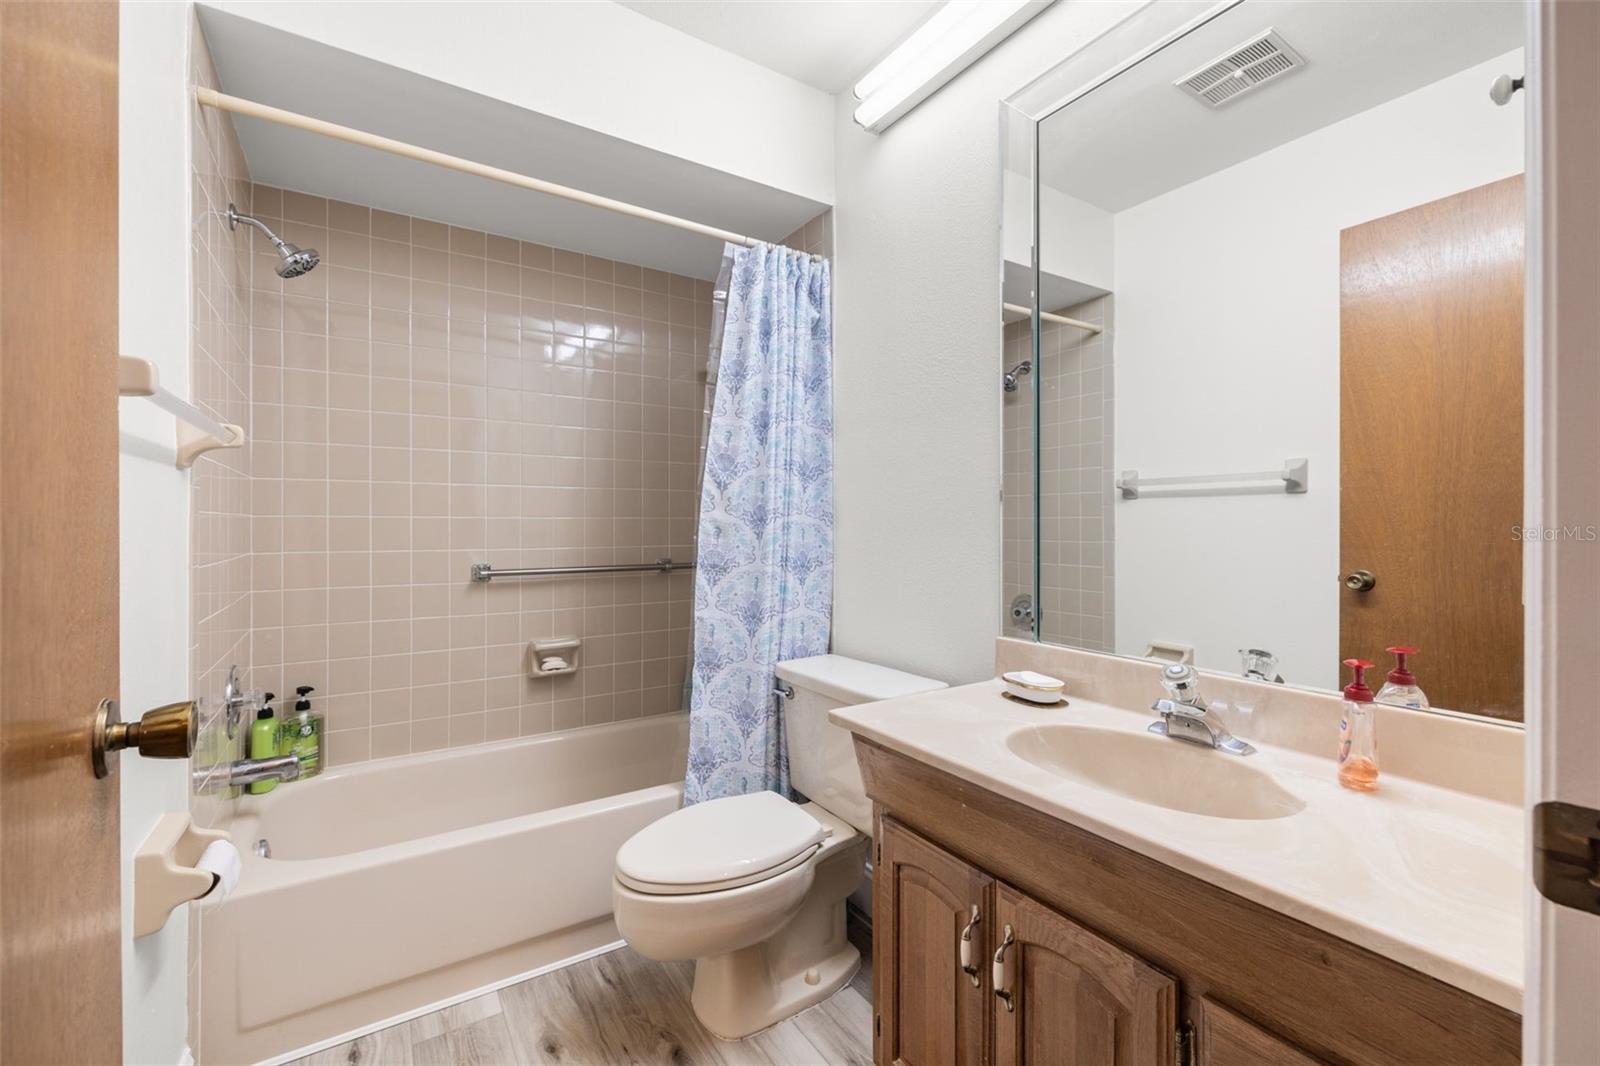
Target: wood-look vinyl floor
<point>618,1009</point>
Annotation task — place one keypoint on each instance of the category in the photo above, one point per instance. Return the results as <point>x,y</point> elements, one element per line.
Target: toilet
<point>753,888</point>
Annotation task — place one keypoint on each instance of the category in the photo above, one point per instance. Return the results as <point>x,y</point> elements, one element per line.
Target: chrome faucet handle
<point>1182,682</point>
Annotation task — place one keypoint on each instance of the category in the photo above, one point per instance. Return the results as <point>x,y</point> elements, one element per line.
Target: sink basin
<point>1165,773</point>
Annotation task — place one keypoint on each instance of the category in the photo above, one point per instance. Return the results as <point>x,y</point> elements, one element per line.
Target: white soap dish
<point>552,658</point>
<point>1032,687</point>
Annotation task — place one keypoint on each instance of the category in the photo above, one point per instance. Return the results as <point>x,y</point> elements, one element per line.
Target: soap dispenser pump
<point>266,739</point>
<point>1358,736</point>
<point>302,734</point>
<point>1401,689</point>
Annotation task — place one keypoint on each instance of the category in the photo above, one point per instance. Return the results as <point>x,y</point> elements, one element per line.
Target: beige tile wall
<point>1076,542</point>
<point>1016,442</point>
<point>220,525</point>
<point>816,236</point>
<point>432,397</point>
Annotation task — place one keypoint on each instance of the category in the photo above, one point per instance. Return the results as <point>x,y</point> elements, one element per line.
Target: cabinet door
<point>1223,1038</point>
<point>931,1011</point>
<point>1063,995</point>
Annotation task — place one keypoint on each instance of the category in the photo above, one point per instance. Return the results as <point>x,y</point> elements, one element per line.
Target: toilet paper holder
<point>164,874</point>
<point>561,649</point>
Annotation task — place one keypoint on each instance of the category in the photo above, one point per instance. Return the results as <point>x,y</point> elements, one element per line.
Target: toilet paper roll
<point>553,663</point>
<point>221,859</point>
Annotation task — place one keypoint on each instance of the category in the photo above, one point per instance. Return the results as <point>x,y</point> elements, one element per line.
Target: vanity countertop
<point>1430,877</point>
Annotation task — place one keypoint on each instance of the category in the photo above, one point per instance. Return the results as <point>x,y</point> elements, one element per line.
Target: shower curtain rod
<point>1051,316</point>
<point>251,109</point>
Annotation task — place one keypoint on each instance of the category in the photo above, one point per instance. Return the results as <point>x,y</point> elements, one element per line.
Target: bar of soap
<point>1035,687</point>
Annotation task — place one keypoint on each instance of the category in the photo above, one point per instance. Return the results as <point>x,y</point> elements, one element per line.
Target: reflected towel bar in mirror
<point>1293,475</point>
<point>485,572</point>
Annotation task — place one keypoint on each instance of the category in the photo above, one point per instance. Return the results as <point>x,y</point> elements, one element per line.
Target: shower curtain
<point>764,563</point>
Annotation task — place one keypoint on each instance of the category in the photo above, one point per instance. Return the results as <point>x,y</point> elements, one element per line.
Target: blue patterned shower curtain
<point>764,576</point>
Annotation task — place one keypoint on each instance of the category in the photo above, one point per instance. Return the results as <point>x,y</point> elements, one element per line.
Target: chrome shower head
<point>292,260</point>
<point>296,261</point>
<point>1015,374</point>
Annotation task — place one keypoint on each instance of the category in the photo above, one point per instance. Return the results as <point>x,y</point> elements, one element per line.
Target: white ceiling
<point>1138,136</point>
<point>828,44</point>
<point>253,61</point>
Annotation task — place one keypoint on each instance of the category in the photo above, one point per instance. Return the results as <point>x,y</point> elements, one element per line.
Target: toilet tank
<point>822,758</point>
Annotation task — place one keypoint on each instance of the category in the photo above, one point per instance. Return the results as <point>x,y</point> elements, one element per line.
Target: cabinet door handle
<point>1002,971</point>
<point>969,967</point>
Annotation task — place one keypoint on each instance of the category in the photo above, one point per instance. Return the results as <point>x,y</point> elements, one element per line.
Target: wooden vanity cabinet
<point>934,904</point>
<point>1223,1038</point>
<point>1114,959</point>
<point>1065,996</point>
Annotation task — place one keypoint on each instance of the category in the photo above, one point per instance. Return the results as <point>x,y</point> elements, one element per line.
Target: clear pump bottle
<point>1358,733</point>
<point>1401,688</point>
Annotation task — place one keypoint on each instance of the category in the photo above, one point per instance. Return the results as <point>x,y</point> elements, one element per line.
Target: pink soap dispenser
<point>1401,689</point>
<point>1358,733</point>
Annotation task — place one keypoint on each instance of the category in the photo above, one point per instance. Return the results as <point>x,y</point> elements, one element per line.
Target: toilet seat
<point>720,844</point>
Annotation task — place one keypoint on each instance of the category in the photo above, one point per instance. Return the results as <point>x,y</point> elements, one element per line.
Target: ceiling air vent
<point>1248,67</point>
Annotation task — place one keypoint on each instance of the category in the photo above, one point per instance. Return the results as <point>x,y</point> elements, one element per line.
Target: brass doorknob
<point>1359,580</point>
<point>164,733</point>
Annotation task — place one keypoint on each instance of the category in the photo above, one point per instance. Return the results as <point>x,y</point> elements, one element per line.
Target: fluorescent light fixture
<point>957,35</point>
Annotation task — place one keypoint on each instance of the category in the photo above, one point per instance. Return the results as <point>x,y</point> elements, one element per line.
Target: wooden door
<point>1223,1038</point>
<point>1430,453</point>
<point>1075,999</point>
<point>931,1011</point>
<point>60,920</point>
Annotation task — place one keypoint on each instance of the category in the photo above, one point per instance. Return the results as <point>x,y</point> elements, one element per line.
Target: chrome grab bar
<point>485,572</point>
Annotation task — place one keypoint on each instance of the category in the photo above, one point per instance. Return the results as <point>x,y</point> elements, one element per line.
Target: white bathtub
<point>402,883</point>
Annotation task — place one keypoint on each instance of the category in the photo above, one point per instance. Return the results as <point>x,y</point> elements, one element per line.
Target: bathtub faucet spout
<point>246,771</point>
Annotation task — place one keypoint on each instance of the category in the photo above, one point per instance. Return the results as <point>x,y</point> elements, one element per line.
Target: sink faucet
<point>1185,716</point>
<point>247,771</point>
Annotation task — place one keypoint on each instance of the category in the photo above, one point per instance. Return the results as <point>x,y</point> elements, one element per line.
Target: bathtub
<point>397,885</point>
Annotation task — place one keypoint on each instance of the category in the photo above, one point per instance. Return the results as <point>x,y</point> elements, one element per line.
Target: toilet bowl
<point>767,943</point>
<point>753,887</point>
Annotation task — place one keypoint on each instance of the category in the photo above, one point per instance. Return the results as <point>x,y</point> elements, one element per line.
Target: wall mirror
<point>1262,374</point>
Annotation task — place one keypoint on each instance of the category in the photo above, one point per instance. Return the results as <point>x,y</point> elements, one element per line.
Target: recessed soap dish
<point>559,654</point>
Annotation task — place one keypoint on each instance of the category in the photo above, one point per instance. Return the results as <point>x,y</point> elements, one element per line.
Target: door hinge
<point>1185,1044</point>
<point>877,1026</point>
<point>1566,854</point>
<point>878,854</point>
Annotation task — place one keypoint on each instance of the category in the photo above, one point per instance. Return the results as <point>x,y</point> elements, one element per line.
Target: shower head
<point>292,261</point>
<point>1015,374</point>
<point>296,261</point>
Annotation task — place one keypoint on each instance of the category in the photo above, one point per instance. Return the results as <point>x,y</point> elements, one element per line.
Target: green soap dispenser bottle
<point>302,734</point>
<point>265,740</point>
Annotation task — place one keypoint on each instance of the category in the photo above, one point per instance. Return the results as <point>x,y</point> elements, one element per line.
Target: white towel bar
<point>1293,474</point>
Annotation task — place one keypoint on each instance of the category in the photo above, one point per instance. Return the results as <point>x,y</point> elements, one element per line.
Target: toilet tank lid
<point>852,681</point>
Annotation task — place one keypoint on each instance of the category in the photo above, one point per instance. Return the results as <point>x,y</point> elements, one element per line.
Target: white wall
<point>153,322</point>
<point>1227,358</point>
<point>646,83</point>
<point>1077,240</point>
<point>916,352</point>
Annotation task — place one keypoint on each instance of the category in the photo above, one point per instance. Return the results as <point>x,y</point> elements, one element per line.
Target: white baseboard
<point>356,1034</point>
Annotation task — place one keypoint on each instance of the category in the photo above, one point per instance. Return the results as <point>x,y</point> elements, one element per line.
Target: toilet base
<point>802,964</point>
<point>726,998</point>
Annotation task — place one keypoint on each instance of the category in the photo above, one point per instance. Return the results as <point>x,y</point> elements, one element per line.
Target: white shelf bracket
<point>197,431</point>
